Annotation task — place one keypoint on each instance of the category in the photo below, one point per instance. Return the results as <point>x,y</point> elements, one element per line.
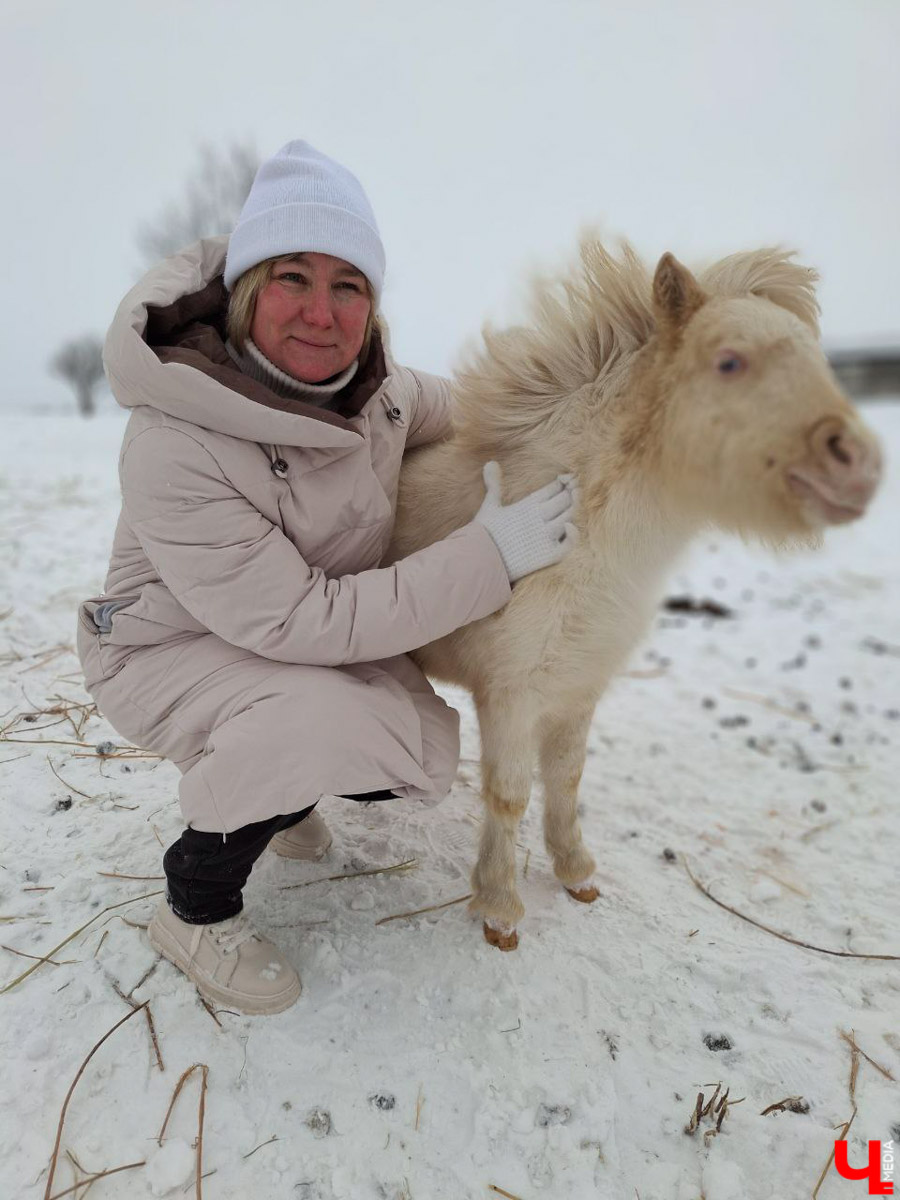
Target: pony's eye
<point>728,362</point>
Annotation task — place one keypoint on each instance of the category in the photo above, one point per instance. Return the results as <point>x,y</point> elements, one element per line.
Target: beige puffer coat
<point>261,647</point>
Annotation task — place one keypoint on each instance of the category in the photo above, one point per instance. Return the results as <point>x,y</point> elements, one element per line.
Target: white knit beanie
<point>301,201</point>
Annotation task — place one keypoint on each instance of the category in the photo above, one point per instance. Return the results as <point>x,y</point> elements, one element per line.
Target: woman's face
<point>310,318</point>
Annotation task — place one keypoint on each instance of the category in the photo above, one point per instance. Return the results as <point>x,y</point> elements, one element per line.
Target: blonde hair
<point>244,294</point>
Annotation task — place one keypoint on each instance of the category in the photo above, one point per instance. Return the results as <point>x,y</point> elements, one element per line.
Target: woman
<point>247,632</point>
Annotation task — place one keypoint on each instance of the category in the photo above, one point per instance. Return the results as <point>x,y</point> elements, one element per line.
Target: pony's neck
<point>629,509</point>
<point>607,433</point>
<point>633,530</point>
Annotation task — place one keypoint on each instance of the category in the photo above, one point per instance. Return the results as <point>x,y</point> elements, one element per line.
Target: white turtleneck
<point>257,366</point>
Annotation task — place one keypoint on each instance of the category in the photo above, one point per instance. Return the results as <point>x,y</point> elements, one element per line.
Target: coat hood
<point>166,348</point>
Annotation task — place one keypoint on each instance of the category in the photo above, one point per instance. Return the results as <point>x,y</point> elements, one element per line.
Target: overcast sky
<point>487,133</point>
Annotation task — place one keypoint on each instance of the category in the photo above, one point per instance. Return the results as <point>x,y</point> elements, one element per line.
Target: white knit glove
<point>535,531</point>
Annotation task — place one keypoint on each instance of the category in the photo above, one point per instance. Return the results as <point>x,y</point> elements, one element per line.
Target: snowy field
<point>762,750</point>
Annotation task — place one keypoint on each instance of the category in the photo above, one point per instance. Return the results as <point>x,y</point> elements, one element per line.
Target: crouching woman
<point>246,631</point>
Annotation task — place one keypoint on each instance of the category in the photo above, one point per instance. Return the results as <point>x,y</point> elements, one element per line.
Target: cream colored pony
<point>680,403</point>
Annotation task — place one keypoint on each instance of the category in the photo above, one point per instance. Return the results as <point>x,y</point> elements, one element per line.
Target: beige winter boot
<point>307,839</point>
<point>231,964</point>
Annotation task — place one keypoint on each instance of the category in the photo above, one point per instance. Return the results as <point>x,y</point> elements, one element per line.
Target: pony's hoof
<point>504,937</point>
<point>584,893</point>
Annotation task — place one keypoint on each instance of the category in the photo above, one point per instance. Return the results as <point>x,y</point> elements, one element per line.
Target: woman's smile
<point>315,345</point>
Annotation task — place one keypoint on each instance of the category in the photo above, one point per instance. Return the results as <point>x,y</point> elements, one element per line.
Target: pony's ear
<point>676,295</point>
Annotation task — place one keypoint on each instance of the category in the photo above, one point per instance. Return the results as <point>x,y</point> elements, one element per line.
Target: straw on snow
<point>774,932</point>
<point>406,865</point>
<point>62,1116</point>
<point>65,783</point>
<point>67,962</point>
<point>855,1054</point>
<point>201,1110</point>
<point>116,875</point>
<point>146,1007</point>
<point>850,1039</point>
<point>109,908</point>
<point>418,911</point>
<point>92,1179</point>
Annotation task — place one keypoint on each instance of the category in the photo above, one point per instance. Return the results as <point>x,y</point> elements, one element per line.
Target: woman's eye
<point>728,362</point>
<point>352,287</point>
<point>291,277</point>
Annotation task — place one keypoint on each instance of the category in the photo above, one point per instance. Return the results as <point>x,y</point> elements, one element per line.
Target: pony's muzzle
<point>840,473</point>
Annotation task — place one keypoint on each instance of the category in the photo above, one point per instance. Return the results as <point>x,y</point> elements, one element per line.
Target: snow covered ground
<point>421,1064</point>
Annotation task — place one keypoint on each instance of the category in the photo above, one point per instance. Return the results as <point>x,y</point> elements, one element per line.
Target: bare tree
<point>79,363</point>
<point>213,198</point>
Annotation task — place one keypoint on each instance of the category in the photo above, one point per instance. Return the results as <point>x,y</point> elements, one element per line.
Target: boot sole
<point>254,1006</point>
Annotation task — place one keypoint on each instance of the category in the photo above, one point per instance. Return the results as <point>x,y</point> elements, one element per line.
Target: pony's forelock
<point>770,273</point>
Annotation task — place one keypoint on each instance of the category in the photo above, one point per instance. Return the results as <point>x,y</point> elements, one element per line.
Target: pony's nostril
<point>838,449</point>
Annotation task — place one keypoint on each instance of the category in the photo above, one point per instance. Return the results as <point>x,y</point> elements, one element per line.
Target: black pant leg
<point>206,872</point>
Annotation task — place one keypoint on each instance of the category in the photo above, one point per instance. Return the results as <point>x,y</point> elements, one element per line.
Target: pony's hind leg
<point>507,757</point>
<point>563,744</point>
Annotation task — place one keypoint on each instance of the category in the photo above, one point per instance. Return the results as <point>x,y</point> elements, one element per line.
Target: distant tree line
<point>211,203</point>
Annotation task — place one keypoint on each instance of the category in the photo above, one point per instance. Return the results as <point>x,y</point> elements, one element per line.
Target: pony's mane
<point>586,322</point>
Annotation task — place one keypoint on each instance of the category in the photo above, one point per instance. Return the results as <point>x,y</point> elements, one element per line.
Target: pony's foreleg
<point>563,744</point>
<point>507,757</point>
